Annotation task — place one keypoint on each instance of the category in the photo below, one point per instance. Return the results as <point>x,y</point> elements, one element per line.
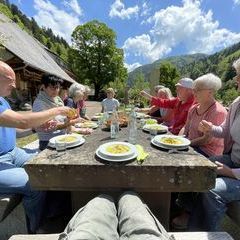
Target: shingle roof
<point>27,48</point>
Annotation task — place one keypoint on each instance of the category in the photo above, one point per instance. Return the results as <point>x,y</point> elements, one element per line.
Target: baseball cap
<point>185,82</point>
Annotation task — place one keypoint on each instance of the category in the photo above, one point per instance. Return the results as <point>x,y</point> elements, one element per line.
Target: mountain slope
<point>179,61</point>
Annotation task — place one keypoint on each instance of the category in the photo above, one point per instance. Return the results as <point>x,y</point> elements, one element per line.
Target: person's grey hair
<point>87,89</point>
<point>75,89</point>
<point>167,91</point>
<point>158,87</point>
<point>236,65</point>
<point>208,81</point>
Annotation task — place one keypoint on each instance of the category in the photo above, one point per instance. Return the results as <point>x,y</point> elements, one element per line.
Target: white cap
<point>185,82</point>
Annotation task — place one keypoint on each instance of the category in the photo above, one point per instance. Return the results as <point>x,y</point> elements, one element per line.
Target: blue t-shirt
<point>7,135</point>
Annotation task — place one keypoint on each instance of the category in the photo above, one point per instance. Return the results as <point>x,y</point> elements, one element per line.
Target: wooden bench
<point>177,235</point>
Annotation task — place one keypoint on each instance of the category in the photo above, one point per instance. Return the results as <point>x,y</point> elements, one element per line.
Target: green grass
<point>25,140</point>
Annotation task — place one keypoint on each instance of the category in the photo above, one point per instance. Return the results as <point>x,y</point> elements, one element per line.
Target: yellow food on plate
<point>169,140</point>
<point>88,124</point>
<point>117,148</point>
<point>72,113</point>
<point>67,139</point>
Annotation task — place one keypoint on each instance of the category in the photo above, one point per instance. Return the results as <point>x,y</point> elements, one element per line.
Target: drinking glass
<point>60,147</point>
<point>153,133</point>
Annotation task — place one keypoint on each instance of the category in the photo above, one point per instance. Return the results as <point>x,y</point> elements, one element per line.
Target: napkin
<point>142,155</point>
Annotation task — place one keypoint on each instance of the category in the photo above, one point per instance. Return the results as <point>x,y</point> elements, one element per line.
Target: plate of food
<point>158,127</point>
<point>97,116</point>
<point>172,141</point>
<point>123,122</point>
<point>71,140</point>
<point>118,151</point>
<point>86,124</point>
<point>142,115</point>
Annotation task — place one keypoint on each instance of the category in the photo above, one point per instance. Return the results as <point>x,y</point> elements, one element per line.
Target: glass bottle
<point>105,117</point>
<point>132,138</point>
<point>114,124</point>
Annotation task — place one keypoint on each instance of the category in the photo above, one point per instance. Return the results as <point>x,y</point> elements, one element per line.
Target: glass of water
<point>153,133</point>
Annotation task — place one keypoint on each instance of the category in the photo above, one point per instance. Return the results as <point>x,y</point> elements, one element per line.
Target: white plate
<point>142,115</point>
<point>80,140</point>
<point>96,118</point>
<point>185,141</point>
<point>147,127</point>
<point>157,144</point>
<point>130,153</point>
<point>110,159</point>
<point>92,125</point>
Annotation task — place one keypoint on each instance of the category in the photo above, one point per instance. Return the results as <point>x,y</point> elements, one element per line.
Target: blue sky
<point>146,29</point>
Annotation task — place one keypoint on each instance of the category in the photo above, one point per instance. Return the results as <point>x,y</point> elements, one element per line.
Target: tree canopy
<point>95,57</point>
<point>169,75</point>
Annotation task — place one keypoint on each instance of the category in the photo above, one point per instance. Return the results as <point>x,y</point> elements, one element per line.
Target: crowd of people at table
<point>194,112</point>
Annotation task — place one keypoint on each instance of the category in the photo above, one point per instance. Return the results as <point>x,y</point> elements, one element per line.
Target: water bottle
<point>114,125</point>
<point>105,117</point>
<point>132,127</point>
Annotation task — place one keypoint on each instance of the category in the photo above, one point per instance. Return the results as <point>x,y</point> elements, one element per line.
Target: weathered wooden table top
<point>79,168</point>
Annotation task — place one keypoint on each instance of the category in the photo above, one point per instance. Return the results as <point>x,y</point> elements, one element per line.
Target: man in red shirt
<point>179,104</point>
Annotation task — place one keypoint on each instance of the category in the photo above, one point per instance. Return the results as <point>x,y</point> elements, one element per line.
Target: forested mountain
<point>194,65</point>
<point>46,36</point>
<point>180,62</point>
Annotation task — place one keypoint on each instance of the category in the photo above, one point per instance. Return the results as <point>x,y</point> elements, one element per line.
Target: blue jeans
<point>212,205</point>
<point>14,180</point>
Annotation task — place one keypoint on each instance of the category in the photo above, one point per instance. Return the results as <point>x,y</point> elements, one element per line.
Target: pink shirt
<point>216,114</point>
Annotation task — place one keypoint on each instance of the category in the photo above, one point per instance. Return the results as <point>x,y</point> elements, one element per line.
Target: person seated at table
<point>82,103</point>
<point>209,109</point>
<point>63,94</point>
<point>164,115</point>
<point>77,97</point>
<point>179,104</point>
<point>211,206</point>
<point>100,219</point>
<point>156,112</point>
<point>110,103</point>
<point>46,99</point>
<point>13,177</point>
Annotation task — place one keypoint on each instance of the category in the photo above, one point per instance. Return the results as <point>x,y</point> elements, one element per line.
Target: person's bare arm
<point>10,118</point>
<point>203,140</point>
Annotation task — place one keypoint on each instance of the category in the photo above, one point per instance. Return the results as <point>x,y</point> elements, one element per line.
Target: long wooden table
<point>80,171</point>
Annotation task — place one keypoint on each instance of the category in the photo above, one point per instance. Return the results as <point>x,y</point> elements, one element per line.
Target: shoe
<point>180,222</point>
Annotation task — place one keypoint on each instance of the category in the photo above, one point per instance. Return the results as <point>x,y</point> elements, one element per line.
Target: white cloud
<point>131,67</point>
<point>237,2</point>
<point>187,25</point>
<point>145,9</point>
<point>118,9</point>
<point>60,21</point>
<point>74,6</point>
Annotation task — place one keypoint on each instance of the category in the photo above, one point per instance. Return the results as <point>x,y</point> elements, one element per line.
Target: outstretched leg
<point>136,221</point>
<point>96,220</point>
